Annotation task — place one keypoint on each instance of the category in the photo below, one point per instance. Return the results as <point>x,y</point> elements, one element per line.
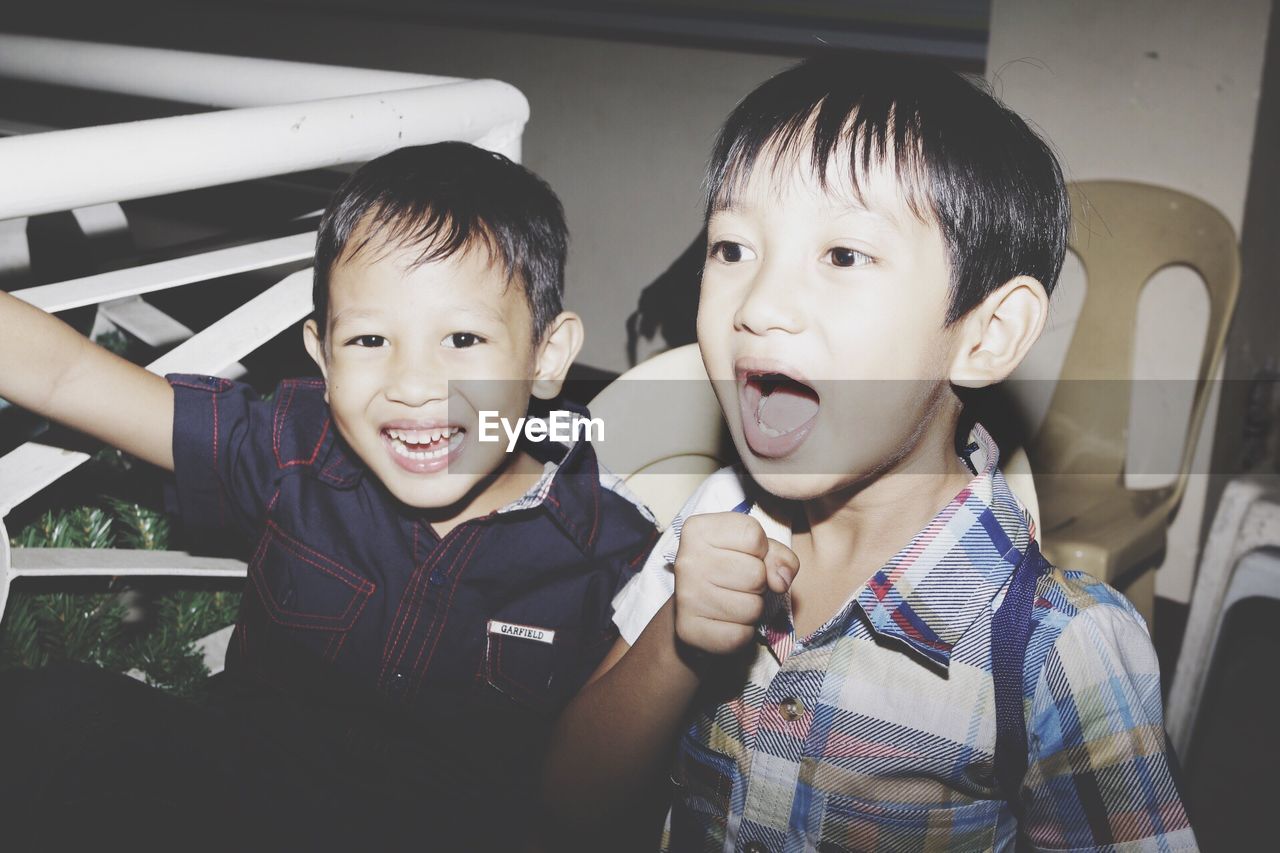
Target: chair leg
<point>1141,592</point>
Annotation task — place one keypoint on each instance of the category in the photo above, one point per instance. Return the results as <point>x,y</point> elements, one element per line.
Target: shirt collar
<point>341,468</point>
<point>568,490</point>
<point>932,591</point>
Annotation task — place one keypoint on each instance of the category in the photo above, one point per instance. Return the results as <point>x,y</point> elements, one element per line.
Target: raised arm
<point>616,737</point>
<point>50,369</point>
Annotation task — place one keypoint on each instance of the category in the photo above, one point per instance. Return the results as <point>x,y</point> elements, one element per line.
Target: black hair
<point>962,159</point>
<point>444,199</point>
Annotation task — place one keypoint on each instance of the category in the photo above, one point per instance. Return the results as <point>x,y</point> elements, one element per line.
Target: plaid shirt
<point>877,731</point>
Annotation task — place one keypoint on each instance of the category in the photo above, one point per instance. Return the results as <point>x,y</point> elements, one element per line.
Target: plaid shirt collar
<point>573,506</point>
<point>929,593</point>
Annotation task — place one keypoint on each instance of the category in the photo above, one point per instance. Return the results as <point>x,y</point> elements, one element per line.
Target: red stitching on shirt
<point>315,451</point>
<point>396,624</point>
<point>363,589</point>
<point>565,521</point>
<point>343,641</point>
<point>337,620</point>
<point>277,427</point>
<point>341,637</point>
<point>331,470</point>
<point>297,549</point>
<point>643,553</point>
<point>437,613</point>
<point>277,421</point>
<point>461,562</point>
<point>220,490</point>
<point>595,504</point>
<point>262,548</point>
<point>410,594</point>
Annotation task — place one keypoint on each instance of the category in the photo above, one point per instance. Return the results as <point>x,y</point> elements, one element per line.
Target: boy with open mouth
<point>852,639</point>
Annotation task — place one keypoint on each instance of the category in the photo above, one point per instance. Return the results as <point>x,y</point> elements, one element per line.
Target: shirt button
<point>755,847</point>
<point>791,709</point>
<point>436,578</point>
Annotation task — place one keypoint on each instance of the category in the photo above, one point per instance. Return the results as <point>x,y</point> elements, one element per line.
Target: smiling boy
<point>419,603</point>
<point>851,639</point>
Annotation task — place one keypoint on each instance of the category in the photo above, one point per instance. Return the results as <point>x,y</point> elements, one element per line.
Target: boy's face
<point>400,343</point>
<point>822,321</point>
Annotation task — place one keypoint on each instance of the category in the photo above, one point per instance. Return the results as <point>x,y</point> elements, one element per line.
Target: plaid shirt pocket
<point>854,824</point>
<point>703,790</point>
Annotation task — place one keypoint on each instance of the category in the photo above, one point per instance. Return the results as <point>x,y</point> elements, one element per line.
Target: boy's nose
<point>414,381</point>
<point>771,303</point>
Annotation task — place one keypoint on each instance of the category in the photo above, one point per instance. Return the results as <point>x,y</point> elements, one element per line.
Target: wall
<point>1162,91</point>
<point>1248,435</point>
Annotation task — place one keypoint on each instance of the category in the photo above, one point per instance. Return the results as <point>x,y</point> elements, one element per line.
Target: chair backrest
<point>1124,233</point>
<point>663,459</point>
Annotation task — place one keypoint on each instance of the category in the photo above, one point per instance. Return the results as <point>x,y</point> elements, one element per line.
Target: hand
<point>723,568</point>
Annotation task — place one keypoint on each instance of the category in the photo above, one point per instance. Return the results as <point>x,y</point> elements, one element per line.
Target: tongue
<point>787,408</point>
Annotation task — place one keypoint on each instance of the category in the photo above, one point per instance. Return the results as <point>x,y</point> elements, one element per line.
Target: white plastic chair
<point>1239,562</point>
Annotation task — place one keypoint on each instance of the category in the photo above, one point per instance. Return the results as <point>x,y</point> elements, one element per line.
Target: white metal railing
<point>274,118</point>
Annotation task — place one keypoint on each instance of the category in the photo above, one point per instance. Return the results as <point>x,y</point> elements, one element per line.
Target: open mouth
<point>778,411</point>
<point>423,450</point>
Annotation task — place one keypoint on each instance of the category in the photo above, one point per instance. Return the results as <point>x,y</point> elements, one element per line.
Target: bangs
<point>436,235</point>
<point>852,137</point>
<point>441,200</point>
<point>957,157</point>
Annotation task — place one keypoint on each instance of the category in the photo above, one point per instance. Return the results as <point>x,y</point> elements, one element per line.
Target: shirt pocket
<point>310,593</point>
<point>702,796</point>
<point>855,825</point>
<point>529,664</point>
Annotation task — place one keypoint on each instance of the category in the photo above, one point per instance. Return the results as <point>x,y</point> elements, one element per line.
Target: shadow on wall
<point>668,306</point>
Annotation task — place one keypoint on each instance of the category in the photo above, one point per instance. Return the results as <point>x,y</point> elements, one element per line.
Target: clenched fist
<point>723,568</point>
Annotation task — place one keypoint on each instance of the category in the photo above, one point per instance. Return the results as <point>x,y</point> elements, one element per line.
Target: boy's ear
<point>996,334</point>
<point>559,347</point>
<point>315,348</point>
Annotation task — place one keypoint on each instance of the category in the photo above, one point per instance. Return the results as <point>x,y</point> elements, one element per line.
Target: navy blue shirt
<point>382,652</point>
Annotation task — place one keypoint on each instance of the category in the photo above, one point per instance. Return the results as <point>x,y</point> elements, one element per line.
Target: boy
<point>419,602</point>
<point>818,630</point>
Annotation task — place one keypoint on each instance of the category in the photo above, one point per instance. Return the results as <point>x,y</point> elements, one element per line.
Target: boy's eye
<point>367,341</point>
<point>730,252</point>
<point>462,340</point>
<point>842,256</point>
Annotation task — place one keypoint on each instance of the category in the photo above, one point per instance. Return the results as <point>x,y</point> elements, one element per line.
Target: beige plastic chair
<point>664,433</point>
<point>1124,234</point>
<point>664,437</point>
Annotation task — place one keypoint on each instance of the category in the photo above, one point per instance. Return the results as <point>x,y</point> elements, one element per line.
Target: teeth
<point>419,455</point>
<point>401,439</point>
<point>422,436</point>
<point>763,427</point>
